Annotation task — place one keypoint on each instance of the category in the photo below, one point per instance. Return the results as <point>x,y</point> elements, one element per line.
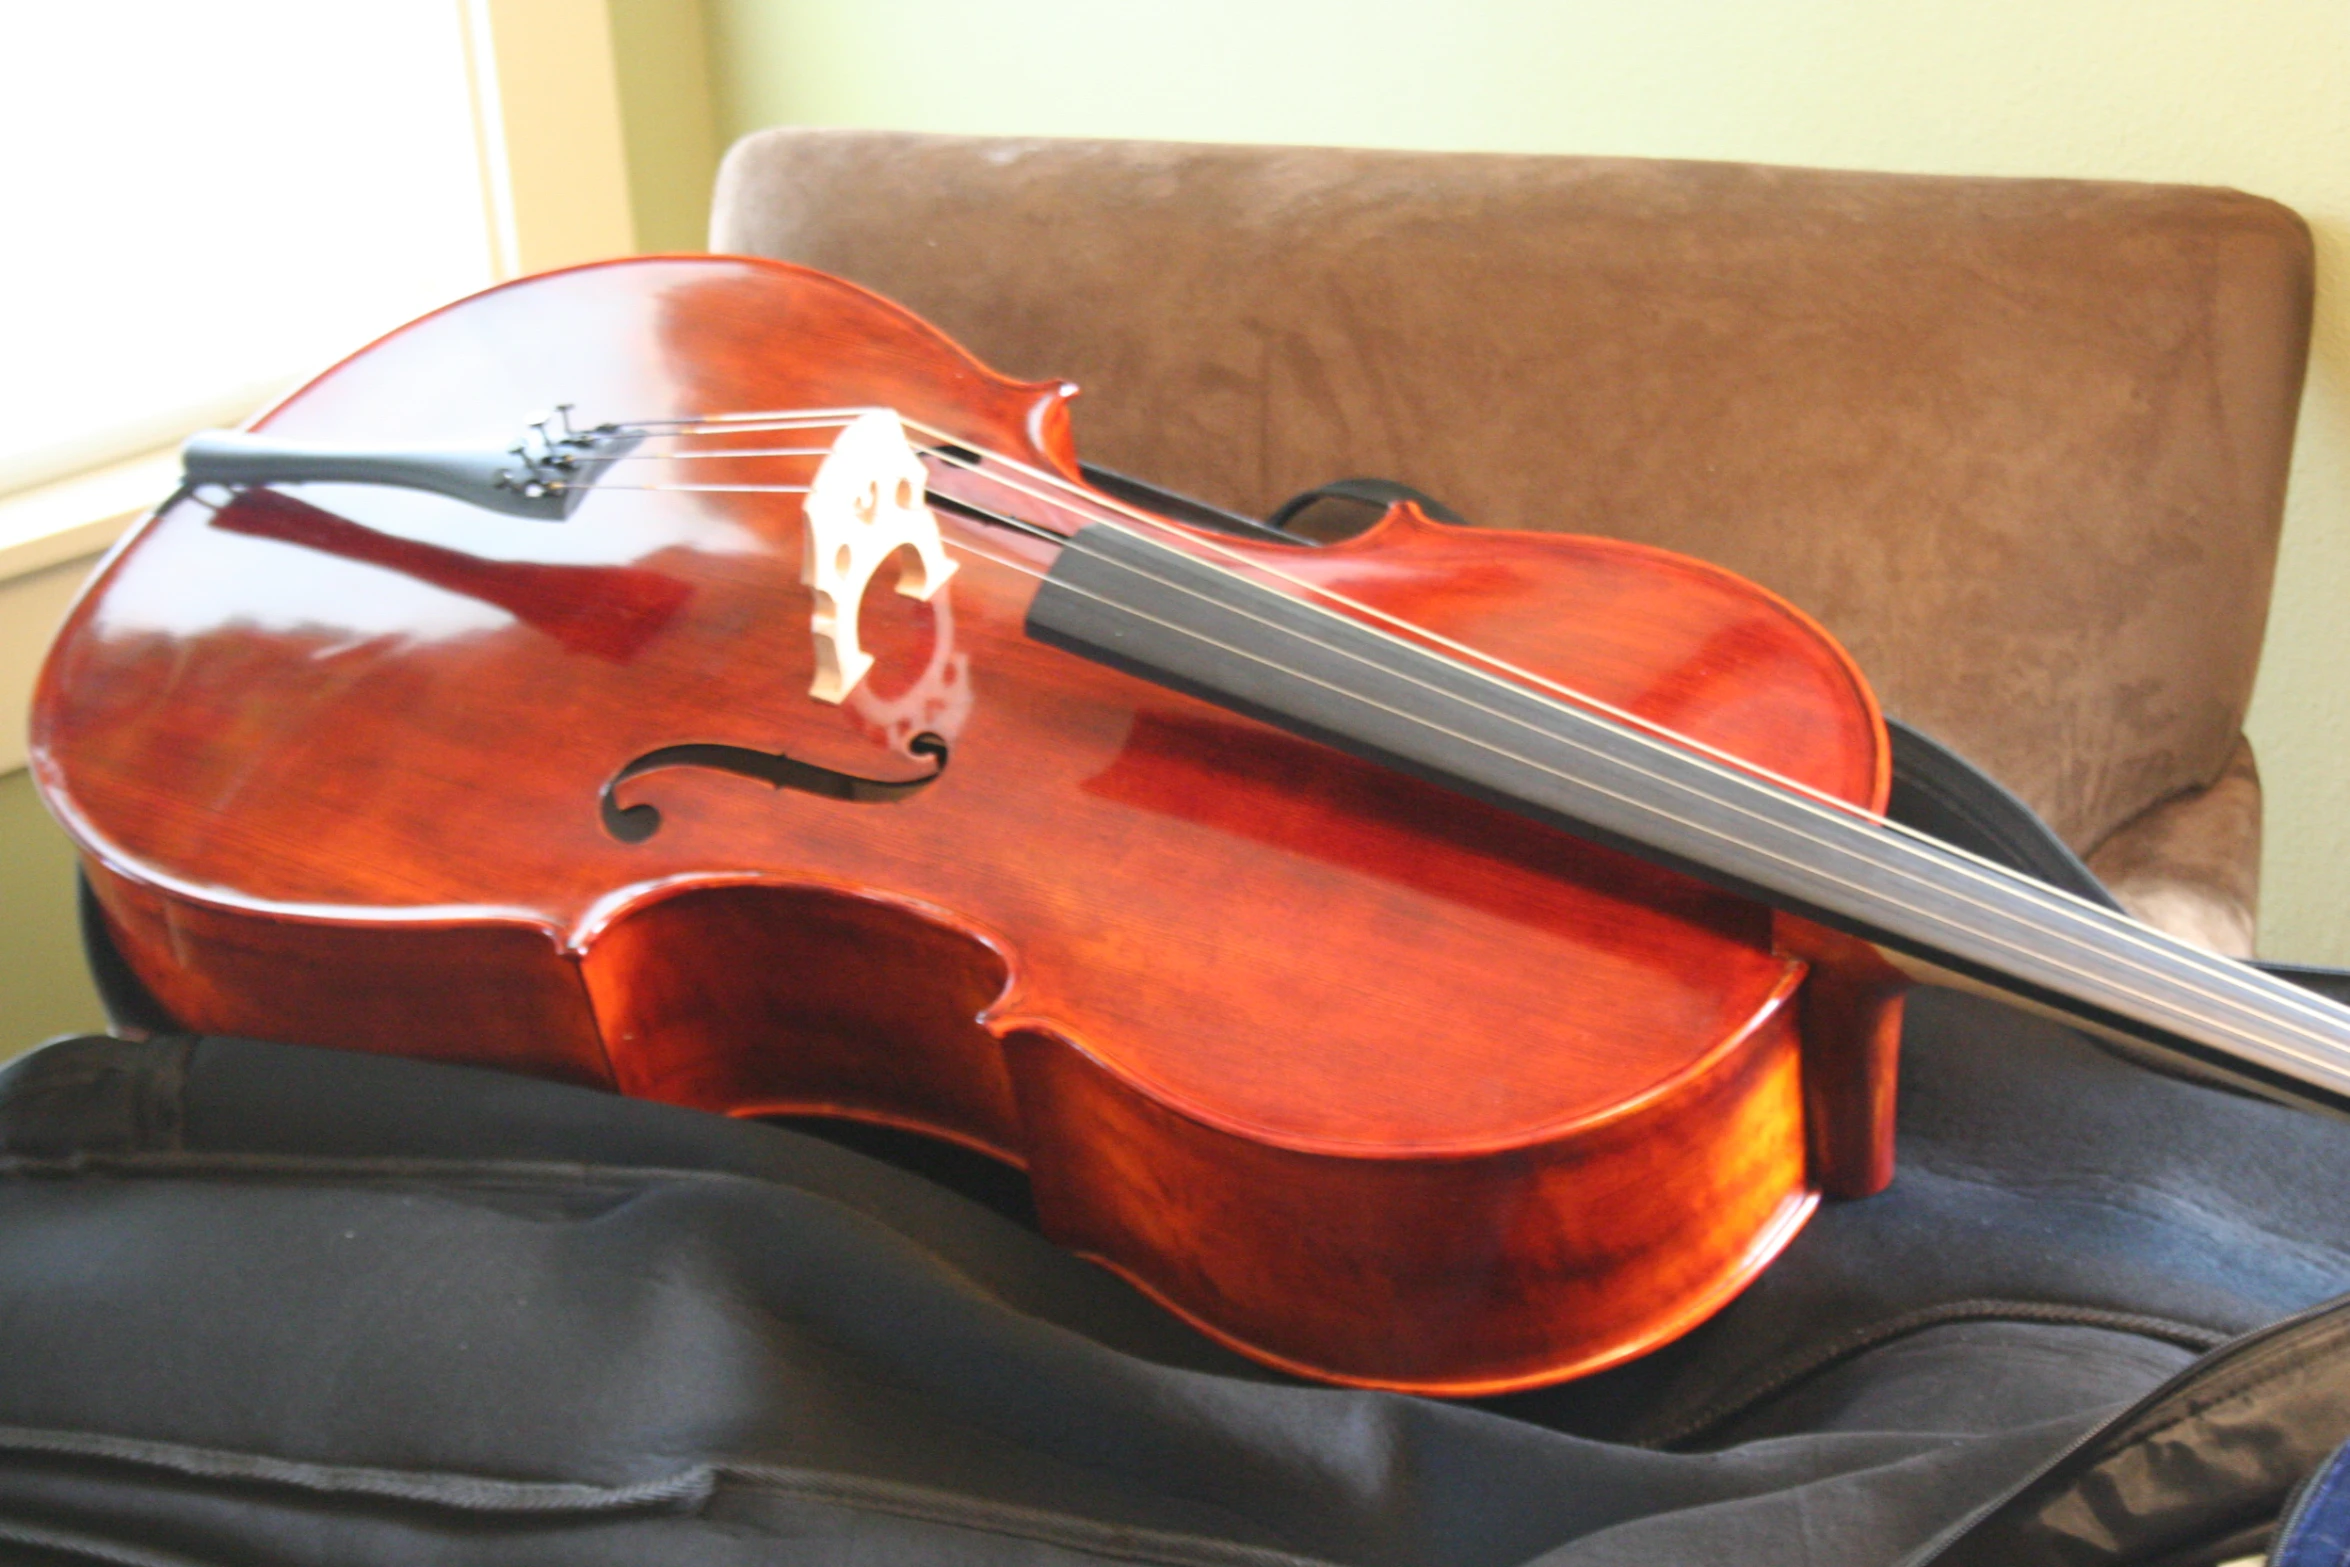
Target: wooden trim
<point>546,105</point>
<point>49,539</point>
<point>79,517</point>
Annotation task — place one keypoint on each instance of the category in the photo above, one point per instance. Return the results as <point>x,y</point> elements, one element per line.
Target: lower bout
<point>1453,1276</point>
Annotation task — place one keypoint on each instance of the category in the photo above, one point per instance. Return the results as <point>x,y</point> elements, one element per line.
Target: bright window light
<point>210,201</point>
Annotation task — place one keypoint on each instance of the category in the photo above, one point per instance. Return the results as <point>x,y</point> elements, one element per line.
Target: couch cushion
<point>2021,444</point>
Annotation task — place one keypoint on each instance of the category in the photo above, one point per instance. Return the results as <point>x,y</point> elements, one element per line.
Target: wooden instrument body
<point>1372,1081</point>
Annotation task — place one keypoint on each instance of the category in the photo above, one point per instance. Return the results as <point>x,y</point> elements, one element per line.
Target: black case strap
<point>1381,493</point>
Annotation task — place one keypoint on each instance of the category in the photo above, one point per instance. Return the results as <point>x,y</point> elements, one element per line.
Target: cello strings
<point>713,489</point>
<point>779,419</point>
<point>714,452</point>
<point>2261,993</point>
<point>2260,989</point>
<point>1738,772</point>
<point>2079,911</point>
<point>1088,503</point>
<point>2321,1063</point>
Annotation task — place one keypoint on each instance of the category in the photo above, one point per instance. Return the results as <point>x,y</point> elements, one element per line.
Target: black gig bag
<point>264,1304</point>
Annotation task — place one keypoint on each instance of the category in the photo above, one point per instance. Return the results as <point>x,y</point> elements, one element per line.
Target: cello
<point>1446,961</point>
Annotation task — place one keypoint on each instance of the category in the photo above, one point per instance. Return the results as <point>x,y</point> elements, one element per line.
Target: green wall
<point>44,989</point>
<point>2201,91</point>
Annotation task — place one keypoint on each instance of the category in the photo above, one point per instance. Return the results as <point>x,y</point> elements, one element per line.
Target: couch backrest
<point>2021,444</point>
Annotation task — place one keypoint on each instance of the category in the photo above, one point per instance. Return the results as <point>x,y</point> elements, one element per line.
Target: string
<point>2255,989</point>
<point>1649,803</point>
<point>713,489</point>
<point>2054,900</point>
<point>715,452</point>
<point>2099,920</point>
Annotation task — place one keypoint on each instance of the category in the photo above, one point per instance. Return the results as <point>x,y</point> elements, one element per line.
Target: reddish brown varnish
<point>1373,1082</point>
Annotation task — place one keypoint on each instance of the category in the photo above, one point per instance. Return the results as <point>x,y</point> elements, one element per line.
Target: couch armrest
<point>2190,864</point>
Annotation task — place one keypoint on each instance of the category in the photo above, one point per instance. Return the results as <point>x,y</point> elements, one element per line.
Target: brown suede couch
<point>2021,444</point>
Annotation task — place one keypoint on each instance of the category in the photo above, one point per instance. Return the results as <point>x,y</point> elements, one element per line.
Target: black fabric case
<point>263,1304</point>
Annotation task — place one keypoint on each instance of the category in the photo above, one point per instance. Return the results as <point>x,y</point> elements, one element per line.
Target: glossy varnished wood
<point>1372,1081</point>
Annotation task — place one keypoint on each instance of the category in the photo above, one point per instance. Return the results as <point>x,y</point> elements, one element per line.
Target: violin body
<point>1372,1081</point>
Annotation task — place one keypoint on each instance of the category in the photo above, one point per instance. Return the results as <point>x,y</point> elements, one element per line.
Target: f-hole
<point>636,823</point>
